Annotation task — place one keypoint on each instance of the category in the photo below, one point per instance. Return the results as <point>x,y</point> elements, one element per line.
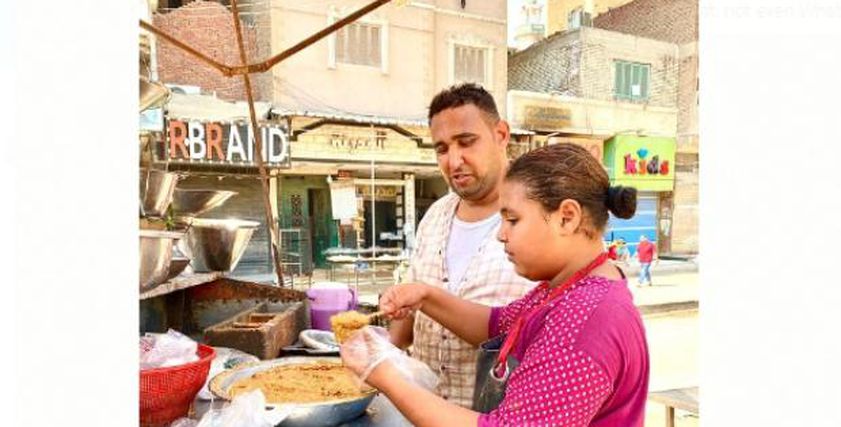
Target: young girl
<point>572,352</point>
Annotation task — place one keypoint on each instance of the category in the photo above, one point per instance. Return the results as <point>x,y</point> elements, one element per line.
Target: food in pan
<point>346,323</point>
<point>303,383</point>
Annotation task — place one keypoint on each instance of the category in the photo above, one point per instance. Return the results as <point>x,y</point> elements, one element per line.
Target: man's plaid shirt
<point>489,279</point>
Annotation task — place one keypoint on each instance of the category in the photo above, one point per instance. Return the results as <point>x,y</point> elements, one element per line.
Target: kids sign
<point>645,163</point>
<point>642,164</point>
<point>225,143</point>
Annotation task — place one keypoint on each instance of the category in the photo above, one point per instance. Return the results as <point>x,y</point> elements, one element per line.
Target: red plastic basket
<point>167,393</point>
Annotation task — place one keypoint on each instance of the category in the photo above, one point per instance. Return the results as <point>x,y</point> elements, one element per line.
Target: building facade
<point>673,21</point>
<point>361,169</point>
<point>617,94</point>
<point>563,15</point>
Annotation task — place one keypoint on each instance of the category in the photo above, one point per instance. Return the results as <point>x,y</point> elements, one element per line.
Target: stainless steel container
<point>155,256</point>
<point>216,244</point>
<point>176,266</point>
<point>156,191</point>
<point>192,203</point>
<point>329,413</point>
<point>152,94</point>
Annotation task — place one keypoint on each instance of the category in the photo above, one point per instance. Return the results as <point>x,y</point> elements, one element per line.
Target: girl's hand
<point>400,301</point>
<point>364,349</point>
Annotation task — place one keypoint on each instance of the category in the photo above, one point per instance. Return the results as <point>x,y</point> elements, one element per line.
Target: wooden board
<point>681,398</point>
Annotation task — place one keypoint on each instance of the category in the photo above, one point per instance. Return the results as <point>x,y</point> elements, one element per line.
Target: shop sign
<point>224,143</point>
<point>640,163</point>
<point>381,191</point>
<point>646,163</point>
<point>353,143</point>
<point>546,118</point>
<point>343,199</point>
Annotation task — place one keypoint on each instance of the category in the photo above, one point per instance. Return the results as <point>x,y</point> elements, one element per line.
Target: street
<point>673,349</point>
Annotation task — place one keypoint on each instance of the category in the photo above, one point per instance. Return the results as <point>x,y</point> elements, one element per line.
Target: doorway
<point>319,219</point>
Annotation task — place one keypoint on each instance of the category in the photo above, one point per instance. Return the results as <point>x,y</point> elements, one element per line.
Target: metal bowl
<point>329,413</point>
<point>176,266</point>
<point>155,256</point>
<point>156,191</point>
<point>216,244</point>
<point>152,94</point>
<point>192,203</point>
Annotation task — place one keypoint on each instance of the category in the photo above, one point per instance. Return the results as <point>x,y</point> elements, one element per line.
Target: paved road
<point>673,349</point>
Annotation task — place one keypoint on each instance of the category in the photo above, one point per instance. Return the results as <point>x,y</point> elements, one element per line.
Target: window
<point>360,43</point>
<point>632,81</point>
<point>579,18</point>
<point>471,64</point>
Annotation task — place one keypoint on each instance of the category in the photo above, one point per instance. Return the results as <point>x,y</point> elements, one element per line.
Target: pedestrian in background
<point>622,254</point>
<point>646,254</point>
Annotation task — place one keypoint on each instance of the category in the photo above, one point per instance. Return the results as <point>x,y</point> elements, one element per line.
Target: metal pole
<point>271,224</point>
<point>224,69</point>
<point>373,225</point>
<point>271,62</point>
<point>373,211</point>
<point>246,68</point>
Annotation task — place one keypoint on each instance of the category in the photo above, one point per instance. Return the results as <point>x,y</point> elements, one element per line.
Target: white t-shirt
<point>464,242</point>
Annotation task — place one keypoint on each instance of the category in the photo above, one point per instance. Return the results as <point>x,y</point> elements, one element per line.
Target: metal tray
<point>330,413</point>
<point>299,348</point>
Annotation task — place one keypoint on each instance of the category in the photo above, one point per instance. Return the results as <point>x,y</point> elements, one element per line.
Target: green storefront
<point>647,164</point>
<point>305,219</point>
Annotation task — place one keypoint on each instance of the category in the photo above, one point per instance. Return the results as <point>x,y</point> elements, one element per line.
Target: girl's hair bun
<point>622,201</point>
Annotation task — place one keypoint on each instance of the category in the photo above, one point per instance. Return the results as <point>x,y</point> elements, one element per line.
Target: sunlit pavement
<point>673,348</point>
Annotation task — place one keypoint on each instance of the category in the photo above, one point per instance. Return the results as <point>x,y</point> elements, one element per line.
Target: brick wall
<point>684,238</point>
<point>208,27</point>
<point>688,97</point>
<point>549,66</point>
<point>601,50</point>
<point>674,21</point>
<point>581,63</point>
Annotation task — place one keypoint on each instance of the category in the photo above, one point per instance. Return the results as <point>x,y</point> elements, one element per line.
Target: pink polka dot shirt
<point>583,363</point>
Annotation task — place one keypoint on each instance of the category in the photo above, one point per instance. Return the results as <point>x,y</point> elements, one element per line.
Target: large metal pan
<point>216,244</point>
<point>156,191</point>
<point>330,413</point>
<point>192,203</point>
<point>155,256</point>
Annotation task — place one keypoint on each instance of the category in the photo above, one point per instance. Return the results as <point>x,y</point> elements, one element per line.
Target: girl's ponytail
<point>621,201</point>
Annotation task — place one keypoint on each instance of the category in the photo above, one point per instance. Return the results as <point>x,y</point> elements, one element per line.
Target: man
<point>646,253</point>
<point>456,246</point>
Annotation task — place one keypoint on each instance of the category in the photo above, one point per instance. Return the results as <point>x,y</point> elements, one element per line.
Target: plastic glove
<point>370,346</point>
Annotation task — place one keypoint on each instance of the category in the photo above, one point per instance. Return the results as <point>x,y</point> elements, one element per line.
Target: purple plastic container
<point>327,299</point>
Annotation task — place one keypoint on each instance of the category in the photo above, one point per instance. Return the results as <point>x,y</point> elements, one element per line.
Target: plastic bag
<point>184,422</point>
<point>368,347</point>
<point>226,358</point>
<point>163,350</point>
<point>246,410</point>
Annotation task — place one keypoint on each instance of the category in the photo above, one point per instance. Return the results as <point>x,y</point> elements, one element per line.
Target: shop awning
<point>519,131</point>
<point>211,108</point>
<point>350,117</point>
